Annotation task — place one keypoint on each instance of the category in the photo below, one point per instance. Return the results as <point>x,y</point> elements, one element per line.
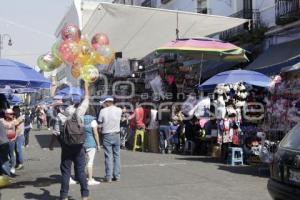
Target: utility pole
<point>2,37</point>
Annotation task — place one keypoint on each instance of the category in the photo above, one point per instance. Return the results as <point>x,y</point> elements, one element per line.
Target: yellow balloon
<point>4,181</point>
<point>89,73</point>
<point>103,60</point>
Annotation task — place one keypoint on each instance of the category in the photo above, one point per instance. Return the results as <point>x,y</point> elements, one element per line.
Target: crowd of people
<point>82,129</point>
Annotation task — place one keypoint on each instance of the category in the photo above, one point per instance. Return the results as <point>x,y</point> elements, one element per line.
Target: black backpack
<point>73,133</point>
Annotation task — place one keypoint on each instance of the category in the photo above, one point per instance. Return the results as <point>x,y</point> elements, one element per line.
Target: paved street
<point>145,176</point>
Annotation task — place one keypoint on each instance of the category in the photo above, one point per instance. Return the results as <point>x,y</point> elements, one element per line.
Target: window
<point>146,3</point>
<point>165,1</point>
<point>292,140</point>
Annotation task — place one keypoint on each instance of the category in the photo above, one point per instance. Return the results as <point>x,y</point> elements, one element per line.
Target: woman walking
<point>20,137</point>
<point>10,125</point>
<point>91,144</point>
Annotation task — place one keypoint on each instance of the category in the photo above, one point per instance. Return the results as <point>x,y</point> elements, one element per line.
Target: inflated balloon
<point>48,62</point>
<point>71,32</point>
<point>75,70</point>
<point>84,57</point>
<point>89,73</point>
<point>99,39</point>
<point>106,51</point>
<point>69,51</point>
<point>4,181</point>
<point>102,60</point>
<point>55,50</point>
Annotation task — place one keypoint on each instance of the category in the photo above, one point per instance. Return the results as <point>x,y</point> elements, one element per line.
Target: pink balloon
<point>69,51</point>
<point>71,32</point>
<point>99,39</point>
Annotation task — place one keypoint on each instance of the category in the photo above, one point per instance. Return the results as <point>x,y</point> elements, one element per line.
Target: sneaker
<point>116,179</point>
<point>93,182</point>
<point>20,166</point>
<point>72,181</point>
<point>107,180</point>
<point>13,170</point>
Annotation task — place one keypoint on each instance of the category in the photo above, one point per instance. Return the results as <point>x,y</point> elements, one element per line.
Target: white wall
<point>183,5</point>
<point>267,11</point>
<point>222,7</point>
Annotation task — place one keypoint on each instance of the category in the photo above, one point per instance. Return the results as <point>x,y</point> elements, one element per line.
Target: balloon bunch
<point>78,53</point>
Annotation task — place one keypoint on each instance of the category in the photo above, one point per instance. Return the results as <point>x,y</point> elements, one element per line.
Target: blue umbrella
<point>13,99</point>
<point>71,91</point>
<point>235,76</point>
<point>6,90</point>
<point>17,74</point>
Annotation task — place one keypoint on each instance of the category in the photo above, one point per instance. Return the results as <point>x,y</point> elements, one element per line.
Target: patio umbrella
<point>13,99</point>
<point>17,75</point>
<point>70,91</point>
<point>235,76</point>
<point>205,48</point>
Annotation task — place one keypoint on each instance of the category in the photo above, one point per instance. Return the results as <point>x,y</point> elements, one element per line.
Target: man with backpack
<point>72,139</point>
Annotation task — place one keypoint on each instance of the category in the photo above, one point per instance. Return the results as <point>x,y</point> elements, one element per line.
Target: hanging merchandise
<point>157,86</point>
<point>121,68</point>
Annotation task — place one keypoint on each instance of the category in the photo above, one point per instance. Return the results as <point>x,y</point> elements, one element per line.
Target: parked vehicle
<point>284,183</point>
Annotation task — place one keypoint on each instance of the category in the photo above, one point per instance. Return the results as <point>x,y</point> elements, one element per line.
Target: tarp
<point>137,31</point>
<point>277,57</point>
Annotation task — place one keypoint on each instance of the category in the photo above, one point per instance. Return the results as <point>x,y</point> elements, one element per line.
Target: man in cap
<point>110,118</point>
<point>75,153</point>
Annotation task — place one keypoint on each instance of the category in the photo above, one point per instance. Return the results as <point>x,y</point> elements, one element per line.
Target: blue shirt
<point>90,141</point>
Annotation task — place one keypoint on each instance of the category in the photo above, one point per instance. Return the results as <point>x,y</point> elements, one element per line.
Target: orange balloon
<point>75,71</point>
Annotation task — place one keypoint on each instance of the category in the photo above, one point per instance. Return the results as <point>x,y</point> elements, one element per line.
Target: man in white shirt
<point>110,118</point>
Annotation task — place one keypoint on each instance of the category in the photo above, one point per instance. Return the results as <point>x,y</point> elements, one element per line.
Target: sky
<point>31,25</point>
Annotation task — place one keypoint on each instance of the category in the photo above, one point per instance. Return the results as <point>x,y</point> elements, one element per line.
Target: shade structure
<point>17,75</point>
<point>292,68</point>
<point>13,99</point>
<point>235,76</point>
<point>137,31</point>
<point>205,48</point>
<point>70,91</point>
<point>6,90</point>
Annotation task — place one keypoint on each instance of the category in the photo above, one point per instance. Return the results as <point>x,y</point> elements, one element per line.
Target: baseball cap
<point>9,111</point>
<point>106,99</point>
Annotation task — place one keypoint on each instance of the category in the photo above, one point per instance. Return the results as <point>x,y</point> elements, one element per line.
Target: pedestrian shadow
<point>100,179</point>
<point>256,170</point>
<point>204,159</point>
<point>44,140</point>
<point>39,182</point>
<point>45,195</point>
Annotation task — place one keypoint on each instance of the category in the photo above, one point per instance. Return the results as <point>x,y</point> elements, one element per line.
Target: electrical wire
<point>26,27</point>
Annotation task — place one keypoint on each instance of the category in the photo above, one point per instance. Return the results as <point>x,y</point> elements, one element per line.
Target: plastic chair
<point>235,156</point>
<point>138,144</point>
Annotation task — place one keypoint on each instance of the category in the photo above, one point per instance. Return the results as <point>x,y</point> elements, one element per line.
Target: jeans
<point>26,135</point>
<point>49,120</point>
<point>11,154</point>
<point>164,134</point>
<point>123,135</point>
<point>4,161</point>
<point>75,154</point>
<point>111,144</point>
<point>39,123</point>
<point>18,150</point>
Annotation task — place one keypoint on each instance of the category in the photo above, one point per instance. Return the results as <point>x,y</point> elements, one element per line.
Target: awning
<point>138,31</point>
<point>277,57</point>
